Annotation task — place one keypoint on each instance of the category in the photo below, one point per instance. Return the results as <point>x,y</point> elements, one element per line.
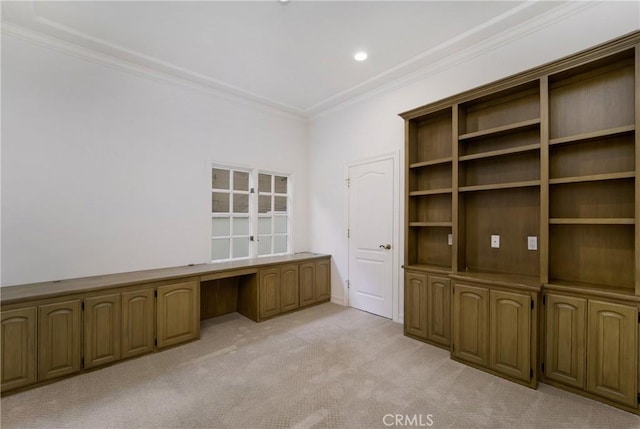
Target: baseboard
<point>337,300</point>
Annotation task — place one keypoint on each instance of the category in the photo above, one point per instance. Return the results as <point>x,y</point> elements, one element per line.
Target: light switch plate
<point>532,242</point>
<point>495,241</point>
<point>450,239</point>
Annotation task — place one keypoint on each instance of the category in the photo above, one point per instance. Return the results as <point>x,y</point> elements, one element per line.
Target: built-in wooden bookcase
<point>547,160</point>
<point>499,180</point>
<point>429,196</point>
<point>592,173</point>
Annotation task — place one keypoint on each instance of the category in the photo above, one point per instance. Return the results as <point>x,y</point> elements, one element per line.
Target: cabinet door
<point>471,324</point>
<point>18,348</point>
<point>59,350</point>
<point>566,327</point>
<point>415,304</point>
<point>137,336</point>
<point>269,292</point>
<point>323,280</point>
<point>510,347</point>
<point>101,330</point>
<point>611,338</point>
<point>289,287</point>
<point>439,310</point>
<point>307,283</point>
<point>178,313</point>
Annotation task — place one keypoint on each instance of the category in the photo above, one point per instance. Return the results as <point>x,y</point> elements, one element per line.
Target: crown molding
<point>154,69</point>
<point>552,16</point>
<point>102,52</point>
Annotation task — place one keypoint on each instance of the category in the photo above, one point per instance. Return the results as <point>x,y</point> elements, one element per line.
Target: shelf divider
<point>504,129</point>
<point>430,192</point>
<point>430,162</point>
<point>593,178</point>
<point>494,153</point>
<point>592,221</point>
<point>609,132</point>
<point>427,224</point>
<point>522,184</point>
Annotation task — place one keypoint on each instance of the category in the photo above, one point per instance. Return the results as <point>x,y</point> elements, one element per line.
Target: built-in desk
<point>59,328</point>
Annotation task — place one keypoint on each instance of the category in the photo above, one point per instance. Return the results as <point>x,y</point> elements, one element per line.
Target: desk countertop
<point>50,289</point>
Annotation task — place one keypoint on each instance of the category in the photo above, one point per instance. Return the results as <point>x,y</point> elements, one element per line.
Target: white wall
<point>371,126</point>
<point>106,171</point>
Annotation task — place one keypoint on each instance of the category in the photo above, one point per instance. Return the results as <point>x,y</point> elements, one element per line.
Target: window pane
<point>264,183</point>
<point>264,245</point>
<point>220,202</point>
<point>219,227</point>
<point>240,181</point>
<point>280,224</point>
<point>264,204</point>
<point>279,243</point>
<point>264,225</point>
<point>241,203</point>
<point>219,178</point>
<point>240,226</point>
<point>220,248</point>
<point>280,203</point>
<point>241,247</point>
<point>281,185</point>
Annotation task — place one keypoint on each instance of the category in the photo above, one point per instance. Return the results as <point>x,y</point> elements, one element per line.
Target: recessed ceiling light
<point>360,56</point>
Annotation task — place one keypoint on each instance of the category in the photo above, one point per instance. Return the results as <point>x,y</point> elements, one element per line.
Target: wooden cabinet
<point>492,328</point>
<point>533,181</point>
<point>289,290</point>
<point>315,282</point>
<point>415,305</point>
<point>510,334</point>
<point>102,323</point>
<point>59,331</point>
<point>592,346</point>
<point>178,313</point>
<point>566,339</point>
<point>427,309</point>
<point>307,274</point>
<point>323,280</point>
<point>611,338</point>
<point>138,319</point>
<point>269,292</point>
<point>439,310</point>
<point>18,347</point>
<point>471,324</point>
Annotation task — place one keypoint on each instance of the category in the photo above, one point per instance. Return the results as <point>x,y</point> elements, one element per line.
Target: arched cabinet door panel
<point>178,313</point>
<point>18,348</point>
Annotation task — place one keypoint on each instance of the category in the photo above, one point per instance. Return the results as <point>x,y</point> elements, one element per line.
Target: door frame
<point>395,229</point>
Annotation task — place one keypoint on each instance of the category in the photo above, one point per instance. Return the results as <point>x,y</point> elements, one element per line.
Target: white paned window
<point>248,220</point>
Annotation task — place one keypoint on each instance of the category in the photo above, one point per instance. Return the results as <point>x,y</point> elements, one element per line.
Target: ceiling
<point>296,57</point>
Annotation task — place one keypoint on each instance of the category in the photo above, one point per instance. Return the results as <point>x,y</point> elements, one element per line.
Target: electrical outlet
<point>532,242</point>
<point>450,239</point>
<point>495,241</point>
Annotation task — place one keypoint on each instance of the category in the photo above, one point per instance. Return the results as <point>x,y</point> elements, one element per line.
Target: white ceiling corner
<point>294,59</point>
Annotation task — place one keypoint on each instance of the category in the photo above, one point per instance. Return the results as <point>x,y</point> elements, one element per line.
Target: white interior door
<point>371,237</point>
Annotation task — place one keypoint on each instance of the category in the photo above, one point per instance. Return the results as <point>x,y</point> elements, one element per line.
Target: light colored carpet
<point>324,367</point>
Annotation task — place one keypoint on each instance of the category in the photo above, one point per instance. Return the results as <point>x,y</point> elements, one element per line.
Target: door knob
<point>388,246</point>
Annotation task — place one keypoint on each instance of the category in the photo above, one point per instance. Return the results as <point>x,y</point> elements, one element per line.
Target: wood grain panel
<point>433,137</point>
<point>307,273</point>
<point>178,318</point>
<point>138,321</point>
<point>269,292</point>
<point>18,347</point>
<point>59,332</point>
<point>289,290</point>
<point>612,332</point>
<point>102,327</point>
<point>438,310</point>
<point>597,254</point>
<point>510,337</point>
<point>514,215</point>
<point>566,340</point>
<point>415,304</point>
<point>471,324</point>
